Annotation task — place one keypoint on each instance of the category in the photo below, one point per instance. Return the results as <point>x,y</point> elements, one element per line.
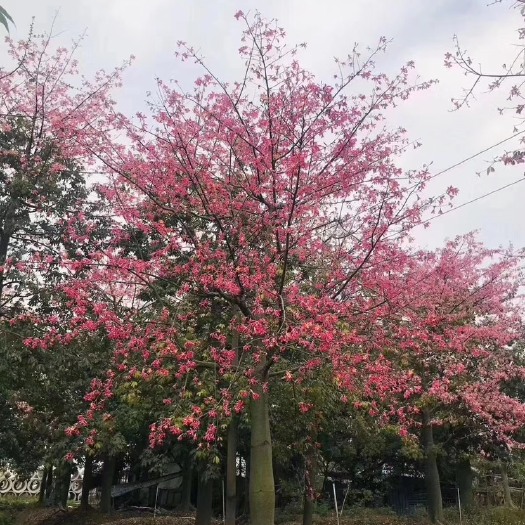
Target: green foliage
<point>495,516</point>
<point>8,504</point>
<point>5,18</point>
<point>359,515</point>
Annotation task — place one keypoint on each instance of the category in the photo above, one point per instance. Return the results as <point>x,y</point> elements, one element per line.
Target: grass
<point>11,506</point>
<point>14,511</point>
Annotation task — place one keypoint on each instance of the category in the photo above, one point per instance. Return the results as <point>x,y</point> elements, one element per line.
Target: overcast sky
<point>421,31</point>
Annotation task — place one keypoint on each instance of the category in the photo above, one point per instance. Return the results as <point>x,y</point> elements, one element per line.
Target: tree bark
<point>87,482</point>
<point>507,496</point>
<point>49,482</point>
<point>262,485</point>
<point>65,482</point>
<point>187,478</point>
<point>4,245</point>
<point>308,510</point>
<point>231,474</point>
<point>204,500</point>
<point>309,485</point>
<point>60,492</point>
<point>465,480</point>
<point>231,452</point>
<point>432,481</point>
<point>108,471</point>
<point>246,488</point>
<point>42,492</point>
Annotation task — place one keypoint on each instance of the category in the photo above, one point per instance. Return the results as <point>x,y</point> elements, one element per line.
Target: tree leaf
<point>5,18</point>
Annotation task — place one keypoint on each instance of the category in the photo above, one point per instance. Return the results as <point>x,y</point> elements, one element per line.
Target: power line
<point>476,199</point>
<point>453,166</point>
<point>459,206</point>
<point>449,168</point>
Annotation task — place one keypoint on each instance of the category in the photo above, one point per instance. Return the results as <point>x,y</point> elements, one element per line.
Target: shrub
<point>497,516</point>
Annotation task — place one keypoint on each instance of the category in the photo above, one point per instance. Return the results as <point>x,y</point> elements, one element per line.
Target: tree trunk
<point>204,500</point>
<point>434,500</point>
<point>4,245</point>
<point>231,453</point>
<point>309,484</point>
<point>187,478</point>
<point>60,491</point>
<point>507,496</point>
<point>87,482</point>
<point>262,486</point>
<point>465,480</point>
<point>65,482</point>
<point>308,510</point>
<point>108,471</point>
<point>49,483</point>
<point>42,492</point>
<point>246,488</point>
<point>231,474</point>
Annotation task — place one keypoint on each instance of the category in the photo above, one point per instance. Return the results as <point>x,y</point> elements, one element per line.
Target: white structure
<point>11,485</point>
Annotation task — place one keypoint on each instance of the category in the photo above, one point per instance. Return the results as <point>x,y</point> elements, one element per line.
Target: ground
<point>51,516</point>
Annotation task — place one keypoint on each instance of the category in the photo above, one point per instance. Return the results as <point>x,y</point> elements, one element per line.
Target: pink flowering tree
<point>509,77</point>
<point>48,119</point>
<point>444,350</point>
<point>262,204</point>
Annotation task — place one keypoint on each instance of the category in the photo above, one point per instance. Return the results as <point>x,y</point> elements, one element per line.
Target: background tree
<point>448,347</point>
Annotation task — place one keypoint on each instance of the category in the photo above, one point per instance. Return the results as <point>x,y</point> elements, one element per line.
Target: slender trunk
<point>65,482</point>
<point>465,480</point>
<point>309,484</point>
<point>56,491</point>
<point>231,474</point>
<point>60,492</point>
<point>231,453</point>
<point>4,245</point>
<point>87,482</point>
<point>49,482</point>
<point>42,493</point>
<point>204,500</point>
<point>308,510</point>
<point>246,488</point>
<point>187,478</point>
<point>507,496</point>
<point>108,471</point>
<point>262,485</point>
<point>434,500</point>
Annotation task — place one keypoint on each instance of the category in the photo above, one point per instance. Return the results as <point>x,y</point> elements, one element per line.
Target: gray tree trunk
<point>262,485</point>
<point>187,478</point>
<point>310,486</point>
<point>432,481</point>
<point>465,480</point>
<point>49,483</point>
<point>108,472</point>
<point>507,496</point>
<point>87,482</point>
<point>231,474</point>
<point>204,501</point>
<point>42,492</point>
